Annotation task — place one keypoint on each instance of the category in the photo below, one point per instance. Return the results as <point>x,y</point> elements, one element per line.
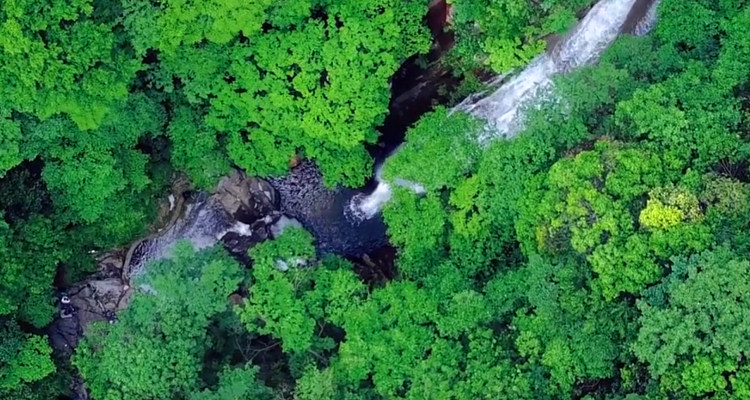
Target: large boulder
<point>247,199</point>
<point>98,298</point>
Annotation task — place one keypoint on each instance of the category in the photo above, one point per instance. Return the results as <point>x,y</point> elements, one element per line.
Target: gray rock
<point>282,223</point>
<point>247,199</point>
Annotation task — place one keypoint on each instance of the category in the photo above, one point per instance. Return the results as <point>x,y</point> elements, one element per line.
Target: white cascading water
<point>645,25</point>
<point>367,206</point>
<point>588,40</point>
<point>501,109</point>
<point>363,206</point>
<point>203,224</point>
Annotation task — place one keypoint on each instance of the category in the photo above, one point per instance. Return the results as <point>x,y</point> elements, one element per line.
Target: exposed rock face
<point>98,298</point>
<point>239,215</point>
<point>238,244</point>
<point>246,199</point>
<point>239,207</point>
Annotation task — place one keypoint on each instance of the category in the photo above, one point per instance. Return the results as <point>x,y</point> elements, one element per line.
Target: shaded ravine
<point>244,211</point>
<point>502,108</point>
<point>240,205</point>
<point>240,213</point>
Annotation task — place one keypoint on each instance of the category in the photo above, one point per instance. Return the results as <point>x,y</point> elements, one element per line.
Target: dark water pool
<point>322,212</point>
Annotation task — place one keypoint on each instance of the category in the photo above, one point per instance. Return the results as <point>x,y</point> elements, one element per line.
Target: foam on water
<point>502,108</point>
<point>582,46</point>
<point>203,224</point>
<point>367,206</point>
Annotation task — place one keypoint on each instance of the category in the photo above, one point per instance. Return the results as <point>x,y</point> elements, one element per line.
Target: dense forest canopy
<point>602,254</point>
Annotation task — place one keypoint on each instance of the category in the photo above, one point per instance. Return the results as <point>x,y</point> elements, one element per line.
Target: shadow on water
<point>321,211</point>
<point>416,88</point>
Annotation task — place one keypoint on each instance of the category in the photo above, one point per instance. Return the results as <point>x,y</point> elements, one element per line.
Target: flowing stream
<point>502,109</point>
<point>203,223</point>
<point>303,197</point>
<point>244,211</point>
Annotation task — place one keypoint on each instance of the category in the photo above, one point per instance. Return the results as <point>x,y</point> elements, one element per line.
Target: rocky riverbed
<point>240,213</point>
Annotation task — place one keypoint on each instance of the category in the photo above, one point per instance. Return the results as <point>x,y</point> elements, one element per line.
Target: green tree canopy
<point>155,349</point>
<point>693,336</point>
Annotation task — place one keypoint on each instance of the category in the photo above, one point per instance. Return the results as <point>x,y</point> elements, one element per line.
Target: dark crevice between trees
<point>377,267</point>
<point>24,192</point>
<point>737,170</point>
<point>600,387</point>
<point>420,84</point>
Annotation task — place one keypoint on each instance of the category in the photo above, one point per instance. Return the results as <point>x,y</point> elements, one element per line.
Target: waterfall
<point>326,213</point>
<point>203,223</point>
<point>362,206</point>
<point>502,108</point>
<point>647,23</point>
<point>582,46</point>
<point>366,206</point>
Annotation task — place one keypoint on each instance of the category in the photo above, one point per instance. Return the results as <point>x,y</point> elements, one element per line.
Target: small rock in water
<point>284,265</point>
<point>321,210</point>
<point>284,222</point>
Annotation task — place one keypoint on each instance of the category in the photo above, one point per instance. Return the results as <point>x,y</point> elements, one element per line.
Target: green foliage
<point>725,196</point>
<point>599,255</point>
<point>668,207</point>
<point>10,138</point>
<point>30,254</point>
<point>176,22</point>
<point>238,383</point>
<point>57,57</point>
<point>692,332</point>
<point>506,34</point>
<point>592,92</point>
<point>418,225</point>
<point>23,358</point>
<point>101,99</point>
<point>290,299</point>
<point>438,152</point>
<point>155,349</point>
<point>683,119</point>
<point>90,174</point>
<point>602,225</point>
<point>593,205</point>
<point>572,213</point>
<point>315,81</point>
<point>466,219</point>
<point>588,334</point>
<point>731,69</point>
<point>274,306</point>
<point>195,149</point>
<point>690,26</point>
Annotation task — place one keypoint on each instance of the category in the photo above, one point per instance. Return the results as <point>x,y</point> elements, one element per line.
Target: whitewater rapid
<point>502,109</point>
<point>582,46</point>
